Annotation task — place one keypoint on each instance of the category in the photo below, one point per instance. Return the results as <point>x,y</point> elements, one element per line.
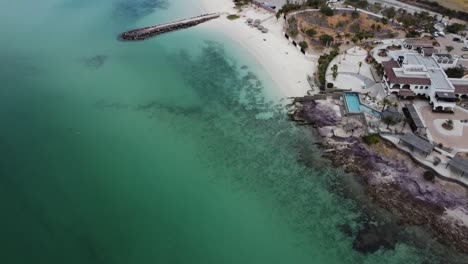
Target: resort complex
<point>411,74</point>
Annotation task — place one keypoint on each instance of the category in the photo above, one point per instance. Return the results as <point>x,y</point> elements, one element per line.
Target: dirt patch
<point>343,25</point>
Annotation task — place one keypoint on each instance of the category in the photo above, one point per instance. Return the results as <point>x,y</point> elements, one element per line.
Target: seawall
<point>148,32</point>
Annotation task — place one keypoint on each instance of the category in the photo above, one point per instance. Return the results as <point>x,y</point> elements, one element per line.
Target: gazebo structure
<point>459,164</point>
<point>415,121</point>
<point>416,142</point>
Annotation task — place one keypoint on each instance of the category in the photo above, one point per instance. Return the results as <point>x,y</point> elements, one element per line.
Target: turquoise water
<point>352,100</point>
<point>355,106</point>
<point>163,151</point>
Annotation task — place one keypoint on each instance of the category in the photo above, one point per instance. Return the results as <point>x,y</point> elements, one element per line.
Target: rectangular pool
<point>354,105</point>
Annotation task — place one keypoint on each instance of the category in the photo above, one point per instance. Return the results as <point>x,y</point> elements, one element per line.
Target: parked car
<point>465,48</point>
<point>435,34</point>
<point>457,39</point>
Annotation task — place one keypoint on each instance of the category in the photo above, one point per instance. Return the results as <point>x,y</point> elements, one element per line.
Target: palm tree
<point>359,69</point>
<point>385,103</point>
<point>389,121</point>
<point>355,40</point>
<point>334,69</point>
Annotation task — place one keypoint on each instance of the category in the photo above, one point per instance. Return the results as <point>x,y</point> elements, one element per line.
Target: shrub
<point>323,63</point>
<point>429,176</point>
<point>455,72</point>
<point>232,17</point>
<point>325,39</point>
<point>455,28</point>
<point>326,10</point>
<point>330,85</point>
<point>303,45</point>
<point>311,32</point>
<point>371,139</point>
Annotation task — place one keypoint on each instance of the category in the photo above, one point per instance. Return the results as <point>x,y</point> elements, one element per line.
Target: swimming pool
<point>354,105</point>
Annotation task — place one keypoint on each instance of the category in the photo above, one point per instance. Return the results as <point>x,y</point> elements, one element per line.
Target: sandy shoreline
<point>284,63</point>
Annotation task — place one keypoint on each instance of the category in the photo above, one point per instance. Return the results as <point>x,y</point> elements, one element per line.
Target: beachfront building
<point>412,74</point>
<point>461,87</point>
<point>418,44</point>
<point>445,61</point>
<point>415,142</point>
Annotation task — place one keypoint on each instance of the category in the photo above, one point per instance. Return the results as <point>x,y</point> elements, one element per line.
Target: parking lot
<point>447,40</point>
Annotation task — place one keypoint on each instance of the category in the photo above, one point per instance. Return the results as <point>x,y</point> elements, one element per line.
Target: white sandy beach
<point>284,63</point>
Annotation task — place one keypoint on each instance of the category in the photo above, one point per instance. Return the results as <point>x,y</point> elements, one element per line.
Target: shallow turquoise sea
<point>164,151</point>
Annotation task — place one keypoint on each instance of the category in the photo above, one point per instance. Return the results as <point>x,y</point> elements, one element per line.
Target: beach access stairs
<point>148,32</point>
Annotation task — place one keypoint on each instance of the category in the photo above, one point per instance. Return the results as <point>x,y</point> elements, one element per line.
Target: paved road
<point>398,4</point>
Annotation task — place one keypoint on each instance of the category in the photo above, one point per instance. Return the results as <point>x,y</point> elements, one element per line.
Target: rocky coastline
<point>391,179</point>
<point>148,32</point>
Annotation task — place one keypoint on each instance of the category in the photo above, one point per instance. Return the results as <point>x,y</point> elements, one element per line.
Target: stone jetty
<point>148,32</point>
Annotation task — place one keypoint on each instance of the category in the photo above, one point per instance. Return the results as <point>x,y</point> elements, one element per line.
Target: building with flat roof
<point>445,61</point>
<point>412,74</point>
<point>418,43</point>
<point>461,87</point>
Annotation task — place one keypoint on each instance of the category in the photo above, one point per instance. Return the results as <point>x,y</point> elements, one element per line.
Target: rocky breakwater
<point>391,180</point>
<point>148,32</point>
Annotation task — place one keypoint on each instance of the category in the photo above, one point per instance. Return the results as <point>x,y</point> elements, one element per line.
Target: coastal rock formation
<point>311,112</point>
<point>395,184</point>
<point>148,32</point>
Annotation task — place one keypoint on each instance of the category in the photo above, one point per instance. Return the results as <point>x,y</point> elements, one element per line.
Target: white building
<point>445,61</point>
<point>411,74</point>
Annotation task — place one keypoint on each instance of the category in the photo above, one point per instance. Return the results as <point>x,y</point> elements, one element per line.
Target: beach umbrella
<point>258,21</point>
<point>260,27</point>
<point>249,20</point>
<point>265,30</point>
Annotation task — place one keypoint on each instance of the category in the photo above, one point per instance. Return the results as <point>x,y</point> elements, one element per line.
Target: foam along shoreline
<point>284,63</point>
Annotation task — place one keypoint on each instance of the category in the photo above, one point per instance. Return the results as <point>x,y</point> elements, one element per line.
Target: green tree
<point>455,28</point>
<point>334,69</point>
<point>303,45</point>
<point>388,121</point>
<point>355,40</point>
<point>385,103</point>
<point>326,39</point>
<point>311,32</point>
<point>391,12</point>
<point>455,72</point>
<point>449,48</point>
<point>326,10</point>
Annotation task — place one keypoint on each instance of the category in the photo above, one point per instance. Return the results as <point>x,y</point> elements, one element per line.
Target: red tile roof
<point>405,92</point>
<point>390,65</point>
<point>461,89</point>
